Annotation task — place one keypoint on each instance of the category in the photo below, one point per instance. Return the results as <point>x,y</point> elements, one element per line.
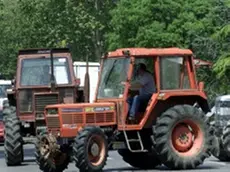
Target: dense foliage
<point>91,27</point>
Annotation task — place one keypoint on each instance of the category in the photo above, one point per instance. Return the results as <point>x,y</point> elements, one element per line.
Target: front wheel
<point>90,150</point>
<point>49,156</point>
<point>183,138</point>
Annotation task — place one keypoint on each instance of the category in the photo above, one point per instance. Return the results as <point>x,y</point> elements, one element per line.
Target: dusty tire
<point>175,151</point>
<point>50,165</point>
<point>84,159</point>
<point>8,110</point>
<point>13,145</point>
<point>143,160</point>
<point>225,151</point>
<point>215,146</point>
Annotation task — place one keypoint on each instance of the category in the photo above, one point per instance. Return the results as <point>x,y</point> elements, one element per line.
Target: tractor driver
<point>146,85</point>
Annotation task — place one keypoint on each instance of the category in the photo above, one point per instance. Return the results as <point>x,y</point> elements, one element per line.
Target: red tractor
<point>43,77</point>
<point>168,128</point>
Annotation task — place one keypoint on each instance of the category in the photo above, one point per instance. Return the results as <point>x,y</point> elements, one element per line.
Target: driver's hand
<point>123,83</point>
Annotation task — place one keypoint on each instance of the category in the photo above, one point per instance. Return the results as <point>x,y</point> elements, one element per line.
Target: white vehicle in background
<point>80,71</point>
<point>4,85</point>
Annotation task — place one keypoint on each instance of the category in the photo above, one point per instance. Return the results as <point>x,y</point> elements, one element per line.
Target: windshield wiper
<point>111,69</point>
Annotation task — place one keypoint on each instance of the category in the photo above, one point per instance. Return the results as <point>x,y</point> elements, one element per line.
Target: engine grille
<point>53,122</point>
<point>42,100</point>
<point>91,118</point>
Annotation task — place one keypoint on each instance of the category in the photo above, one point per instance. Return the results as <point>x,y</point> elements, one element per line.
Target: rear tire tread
<point>13,144</point>
<point>169,118</point>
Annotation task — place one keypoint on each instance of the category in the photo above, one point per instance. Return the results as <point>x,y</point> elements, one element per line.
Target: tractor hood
<point>66,120</point>
<point>83,107</point>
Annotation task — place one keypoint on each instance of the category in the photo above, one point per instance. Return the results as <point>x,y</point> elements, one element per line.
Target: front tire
<point>13,144</point>
<point>182,136</point>
<point>224,154</point>
<point>90,150</point>
<point>58,163</point>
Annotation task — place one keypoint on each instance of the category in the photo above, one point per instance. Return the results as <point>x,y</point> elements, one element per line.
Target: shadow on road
<point>27,153</point>
<point>161,168</point>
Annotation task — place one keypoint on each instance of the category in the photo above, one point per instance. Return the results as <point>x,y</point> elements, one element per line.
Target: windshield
<point>38,71</point>
<point>113,73</point>
<point>3,89</point>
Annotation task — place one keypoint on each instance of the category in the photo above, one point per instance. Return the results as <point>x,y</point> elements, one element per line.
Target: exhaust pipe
<point>87,82</point>
<point>52,80</point>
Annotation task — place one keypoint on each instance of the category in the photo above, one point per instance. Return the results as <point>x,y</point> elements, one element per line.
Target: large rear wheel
<point>13,144</point>
<point>182,137</point>
<point>90,150</point>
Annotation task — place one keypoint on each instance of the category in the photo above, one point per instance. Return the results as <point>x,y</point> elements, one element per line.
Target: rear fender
<point>11,97</point>
<point>163,105</point>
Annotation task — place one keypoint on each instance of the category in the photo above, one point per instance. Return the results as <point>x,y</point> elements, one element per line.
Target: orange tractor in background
<point>168,129</point>
<point>43,77</point>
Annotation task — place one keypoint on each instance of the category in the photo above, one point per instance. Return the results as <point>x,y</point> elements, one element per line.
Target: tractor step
<point>29,140</point>
<point>133,140</point>
<point>118,145</point>
<point>138,140</point>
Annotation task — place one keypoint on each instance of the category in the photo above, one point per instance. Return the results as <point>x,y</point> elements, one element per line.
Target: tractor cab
<point>172,69</point>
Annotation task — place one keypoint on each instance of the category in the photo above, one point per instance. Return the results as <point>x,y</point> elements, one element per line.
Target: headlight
<point>52,111</point>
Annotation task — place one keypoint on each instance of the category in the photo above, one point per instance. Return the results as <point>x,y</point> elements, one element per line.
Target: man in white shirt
<point>146,85</point>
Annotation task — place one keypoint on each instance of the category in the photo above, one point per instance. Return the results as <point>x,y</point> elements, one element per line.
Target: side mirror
<point>201,86</point>
<point>13,82</point>
<point>77,81</point>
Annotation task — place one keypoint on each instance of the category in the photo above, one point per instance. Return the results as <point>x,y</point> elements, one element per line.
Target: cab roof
<point>42,51</point>
<point>223,98</point>
<point>149,52</point>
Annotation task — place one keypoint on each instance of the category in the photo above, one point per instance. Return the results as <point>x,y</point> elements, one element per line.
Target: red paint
<point>1,131</point>
<point>195,138</point>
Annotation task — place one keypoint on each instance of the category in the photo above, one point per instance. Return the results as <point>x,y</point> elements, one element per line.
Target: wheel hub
<point>95,149</point>
<point>50,150</point>
<point>182,138</point>
<point>44,148</point>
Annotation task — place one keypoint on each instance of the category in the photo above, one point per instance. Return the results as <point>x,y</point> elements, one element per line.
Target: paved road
<point>114,164</point>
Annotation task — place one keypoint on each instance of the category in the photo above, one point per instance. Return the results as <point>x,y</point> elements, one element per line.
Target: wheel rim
<point>187,138</point>
<point>46,149</point>
<point>96,150</point>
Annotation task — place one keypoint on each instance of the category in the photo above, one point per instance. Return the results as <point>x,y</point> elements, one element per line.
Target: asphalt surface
<point>114,164</point>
